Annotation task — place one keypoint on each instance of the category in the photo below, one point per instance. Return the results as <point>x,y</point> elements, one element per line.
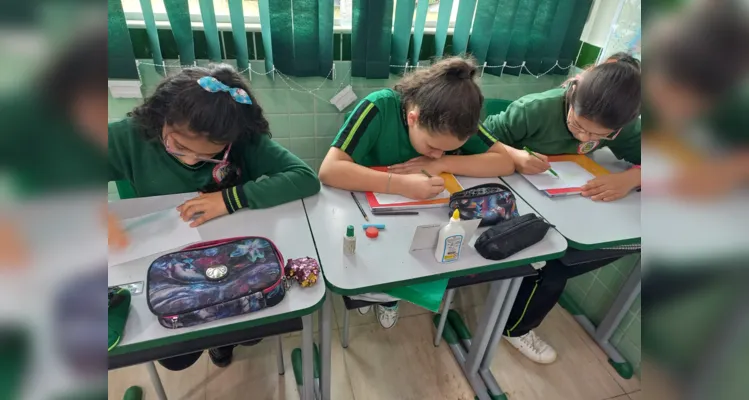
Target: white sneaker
<point>534,348</point>
<point>364,310</point>
<point>387,316</point>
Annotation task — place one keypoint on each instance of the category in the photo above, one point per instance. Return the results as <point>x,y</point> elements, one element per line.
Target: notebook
<point>393,201</point>
<point>574,171</point>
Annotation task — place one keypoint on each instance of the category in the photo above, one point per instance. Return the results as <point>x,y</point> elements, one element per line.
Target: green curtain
<point>571,44</point>
<point>501,36</point>
<point>559,27</point>
<point>483,26</point>
<point>443,22</point>
<point>463,22</point>
<point>179,20</point>
<point>537,32</point>
<point>404,16</point>
<point>264,10</point>
<point>370,38</point>
<point>120,56</point>
<point>239,33</point>
<point>302,36</point>
<point>521,34</point>
<point>210,29</point>
<point>421,17</point>
<point>153,35</point>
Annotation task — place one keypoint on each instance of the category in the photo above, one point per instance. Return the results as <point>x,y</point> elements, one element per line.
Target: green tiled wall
<point>307,123</point>
<point>594,293</point>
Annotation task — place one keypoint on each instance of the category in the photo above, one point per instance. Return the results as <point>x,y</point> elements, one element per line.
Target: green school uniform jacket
<point>539,121</point>
<point>376,133</point>
<point>152,171</point>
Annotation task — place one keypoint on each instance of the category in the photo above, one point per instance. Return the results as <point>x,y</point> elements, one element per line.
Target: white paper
<point>153,233</point>
<point>425,236</point>
<point>386,199</point>
<point>571,175</point>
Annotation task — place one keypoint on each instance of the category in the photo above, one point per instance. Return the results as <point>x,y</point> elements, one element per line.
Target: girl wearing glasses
<point>598,108</point>
<point>202,130</point>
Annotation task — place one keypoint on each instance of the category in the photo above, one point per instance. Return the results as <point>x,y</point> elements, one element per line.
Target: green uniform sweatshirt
<point>376,133</point>
<point>152,171</point>
<point>539,121</point>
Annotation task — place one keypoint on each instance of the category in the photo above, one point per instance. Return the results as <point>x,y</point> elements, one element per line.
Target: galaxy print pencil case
<point>217,279</point>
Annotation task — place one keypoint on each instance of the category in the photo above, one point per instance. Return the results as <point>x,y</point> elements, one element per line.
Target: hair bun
<point>460,69</point>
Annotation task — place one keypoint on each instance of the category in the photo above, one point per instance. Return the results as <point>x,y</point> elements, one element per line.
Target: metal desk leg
<point>325,334</point>
<point>504,315</point>
<point>443,316</point>
<point>486,324</point>
<point>279,355</point>
<point>627,295</point>
<point>155,380</point>
<point>308,377</point>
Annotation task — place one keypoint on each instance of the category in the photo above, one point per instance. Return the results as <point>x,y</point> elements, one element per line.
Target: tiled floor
<point>400,363</point>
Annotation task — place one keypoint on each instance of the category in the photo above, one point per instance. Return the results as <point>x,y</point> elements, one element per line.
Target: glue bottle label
<point>452,248</point>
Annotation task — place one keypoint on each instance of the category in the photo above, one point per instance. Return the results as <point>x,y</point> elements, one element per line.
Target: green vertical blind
<point>297,35</point>
<point>120,57</point>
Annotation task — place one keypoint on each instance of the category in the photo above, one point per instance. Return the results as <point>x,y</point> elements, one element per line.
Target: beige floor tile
<point>402,363</point>
<point>576,374</point>
<point>628,385</point>
<point>188,384</point>
<point>405,309</point>
<point>470,296</point>
<point>253,374</point>
<point>636,396</point>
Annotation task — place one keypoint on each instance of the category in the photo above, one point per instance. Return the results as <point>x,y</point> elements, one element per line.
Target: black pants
<point>538,294</point>
<point>187,360</point>
<point>536,297</point>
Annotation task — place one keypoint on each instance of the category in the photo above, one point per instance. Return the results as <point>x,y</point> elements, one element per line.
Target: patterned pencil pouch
<point>215,279</point>
<point>491,202</point>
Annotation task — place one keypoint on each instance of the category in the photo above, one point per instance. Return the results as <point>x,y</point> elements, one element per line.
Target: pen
<point>534,155</point>
<point>359,205</point>
<point>394,212</point>
<point>423,171</point>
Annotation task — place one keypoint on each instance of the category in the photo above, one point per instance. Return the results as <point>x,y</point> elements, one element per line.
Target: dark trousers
<point>536,297</point>
<point>538,294</point>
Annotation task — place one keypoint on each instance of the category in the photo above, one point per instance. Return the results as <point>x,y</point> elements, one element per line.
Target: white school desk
<point>285,225</point>
<point>386,262</point>
<point>587,224</point>
<point>590,225</point>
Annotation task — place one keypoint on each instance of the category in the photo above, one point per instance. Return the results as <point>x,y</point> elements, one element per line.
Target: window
<point>342,13</point>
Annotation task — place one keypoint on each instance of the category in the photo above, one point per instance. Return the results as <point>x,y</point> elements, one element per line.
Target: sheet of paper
<point>153,233</point>
<point>571,175</point>
<point>385,199</point>
<point>425,236</point>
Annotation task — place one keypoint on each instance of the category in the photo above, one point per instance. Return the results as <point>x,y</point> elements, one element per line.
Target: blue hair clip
<point>213,85</point>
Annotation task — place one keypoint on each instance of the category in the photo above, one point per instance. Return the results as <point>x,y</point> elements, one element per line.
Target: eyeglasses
<point>170,150</point>
<point>573,125</point>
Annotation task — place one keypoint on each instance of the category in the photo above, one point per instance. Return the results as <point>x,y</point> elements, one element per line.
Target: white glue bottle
<point>450,240</point>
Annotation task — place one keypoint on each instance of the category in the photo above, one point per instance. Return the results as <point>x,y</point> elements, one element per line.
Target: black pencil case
<point>491,202</point>
<point>509,237</point>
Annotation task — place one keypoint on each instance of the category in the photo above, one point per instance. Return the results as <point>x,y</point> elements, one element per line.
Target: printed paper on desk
<point>571,175</point>
<point>153,233</point>
<point>386,199</point>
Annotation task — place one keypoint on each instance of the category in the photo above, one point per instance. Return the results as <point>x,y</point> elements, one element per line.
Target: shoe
<point>387,316</point>
<point>364,310</point>
<point>533,347</point>
<point>221,356</point>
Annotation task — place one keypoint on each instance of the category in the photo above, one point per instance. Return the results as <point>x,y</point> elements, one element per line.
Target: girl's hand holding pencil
<point>531,163</point>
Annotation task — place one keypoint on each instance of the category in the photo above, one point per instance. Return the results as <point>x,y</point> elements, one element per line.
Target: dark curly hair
<point>448,98</point>
<point>179,100</point>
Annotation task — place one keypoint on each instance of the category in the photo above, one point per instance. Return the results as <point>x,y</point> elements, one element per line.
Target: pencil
<point>359,205</point>
<point>423,171</point>
<point>534,155</point>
